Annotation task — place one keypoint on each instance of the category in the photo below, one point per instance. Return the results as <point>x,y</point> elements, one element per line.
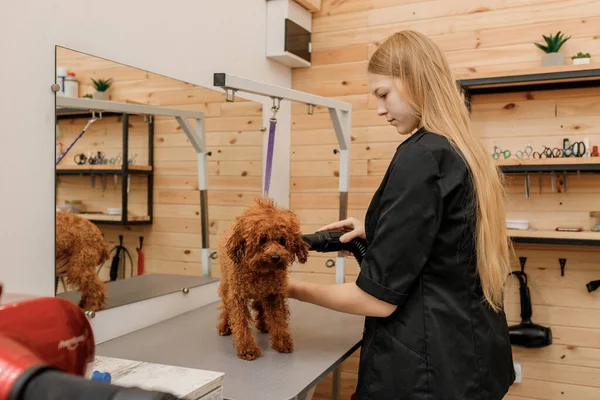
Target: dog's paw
<point>283,344</point>
<point>249,353</point>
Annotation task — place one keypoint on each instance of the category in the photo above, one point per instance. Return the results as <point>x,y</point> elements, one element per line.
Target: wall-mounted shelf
<point>585,238</point>
<point>536,79</point>
<point>569,164</point>
<point>103,170</point>
<point>71,113</point>
<point>543,78</point>
<point>124,170</point>
<point>116,219</point>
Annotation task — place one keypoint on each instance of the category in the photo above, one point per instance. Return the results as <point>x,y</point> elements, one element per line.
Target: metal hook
<point>91,121</point>
<point>311,109</point>
<point>227,99</point>
<point>275,108</point>
<point>94,115</point>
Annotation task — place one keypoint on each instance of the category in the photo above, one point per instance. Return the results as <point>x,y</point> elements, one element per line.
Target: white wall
<point>185,40</point>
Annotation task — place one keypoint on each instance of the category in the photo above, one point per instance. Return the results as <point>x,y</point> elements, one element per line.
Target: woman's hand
<point>291,289</point>
<point>354,227</point>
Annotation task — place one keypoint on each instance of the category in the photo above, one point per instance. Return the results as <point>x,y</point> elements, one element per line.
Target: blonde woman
<point>431,283</point>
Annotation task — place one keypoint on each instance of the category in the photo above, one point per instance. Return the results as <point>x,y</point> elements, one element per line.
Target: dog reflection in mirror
<point>255,252</point>
<point>81,243</point>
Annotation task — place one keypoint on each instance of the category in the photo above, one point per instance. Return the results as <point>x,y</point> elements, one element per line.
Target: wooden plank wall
<point>172,244</point>
<point>487,36</point>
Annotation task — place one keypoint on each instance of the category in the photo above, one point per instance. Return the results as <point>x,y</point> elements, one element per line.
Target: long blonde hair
<point>428,86</point>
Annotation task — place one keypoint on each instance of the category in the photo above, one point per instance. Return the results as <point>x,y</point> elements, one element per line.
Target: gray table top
<point>137,288</point>
<point>322,340</point>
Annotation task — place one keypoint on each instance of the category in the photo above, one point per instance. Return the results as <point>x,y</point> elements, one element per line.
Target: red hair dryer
<point>46,345</point>
<point>42,334</point>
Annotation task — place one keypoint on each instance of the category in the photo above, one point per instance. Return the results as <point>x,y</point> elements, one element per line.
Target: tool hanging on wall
<point>91,121</point>
<point>527,334</point>
<point>119,263</point>
<point>271,143</point>
<point>140,265</point>
<point>593,285</point>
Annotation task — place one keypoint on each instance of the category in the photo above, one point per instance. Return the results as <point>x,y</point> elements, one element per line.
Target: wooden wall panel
<point>233,133</point>
<point>490,37</point>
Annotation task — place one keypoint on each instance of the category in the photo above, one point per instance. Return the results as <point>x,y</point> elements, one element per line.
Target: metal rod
<point>231,82</point>
<point>341,118</point>
<point>115,106</point>
<point>125,170</point>
<point>335,387</point>
<point>151,164</point>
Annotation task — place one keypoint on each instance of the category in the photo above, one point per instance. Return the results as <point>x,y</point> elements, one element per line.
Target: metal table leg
<point>335,389</point>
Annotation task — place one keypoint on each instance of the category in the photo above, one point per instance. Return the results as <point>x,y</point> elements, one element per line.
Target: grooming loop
<point>90,122</point>
<point>271,145</point>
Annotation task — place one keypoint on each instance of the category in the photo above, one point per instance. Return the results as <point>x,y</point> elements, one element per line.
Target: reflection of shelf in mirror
<point>101,169</point>
<point>582,164</point>
<point>588,238</point>
<point>65,113</point>
<point>117,219</point>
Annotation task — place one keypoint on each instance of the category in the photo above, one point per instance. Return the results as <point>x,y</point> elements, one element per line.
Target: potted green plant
<point>101,86</point>
<point>581,58</point>
<point>551,48</point>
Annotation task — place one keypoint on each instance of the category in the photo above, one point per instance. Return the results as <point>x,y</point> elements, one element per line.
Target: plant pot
<point>100,95</point>
<point>551,59</point>
<point>585,60</point>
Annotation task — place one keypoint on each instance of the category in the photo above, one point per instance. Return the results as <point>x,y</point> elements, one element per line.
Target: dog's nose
<point>275,258</point>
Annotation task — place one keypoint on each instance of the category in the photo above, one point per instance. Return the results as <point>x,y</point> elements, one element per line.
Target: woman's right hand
<point>354,227</point>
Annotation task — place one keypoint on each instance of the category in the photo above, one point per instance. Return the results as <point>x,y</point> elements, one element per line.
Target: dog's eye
<point>263,240</point>
<point>282,240</point>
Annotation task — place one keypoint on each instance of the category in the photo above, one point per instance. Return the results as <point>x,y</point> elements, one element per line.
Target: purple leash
<point>76,139</point>
<point>270,147</point>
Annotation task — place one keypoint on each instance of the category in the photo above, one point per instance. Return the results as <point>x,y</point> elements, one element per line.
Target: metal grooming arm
<point>341,118</point>
<point>195,136</point>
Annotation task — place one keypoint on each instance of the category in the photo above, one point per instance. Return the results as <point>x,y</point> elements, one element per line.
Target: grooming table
<point>137,288</point>
<point>323,339</point>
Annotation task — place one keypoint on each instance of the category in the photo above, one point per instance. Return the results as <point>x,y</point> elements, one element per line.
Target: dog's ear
<point>236,245</point>
<point>300,249</point>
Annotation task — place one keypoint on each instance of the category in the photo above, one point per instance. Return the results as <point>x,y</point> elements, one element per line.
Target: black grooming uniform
<point>443,342</point>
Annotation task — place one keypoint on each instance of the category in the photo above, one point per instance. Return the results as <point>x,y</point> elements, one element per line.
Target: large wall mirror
<point>155,243</point>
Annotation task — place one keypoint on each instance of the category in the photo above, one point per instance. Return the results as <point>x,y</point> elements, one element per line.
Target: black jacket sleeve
<point>410,212</point>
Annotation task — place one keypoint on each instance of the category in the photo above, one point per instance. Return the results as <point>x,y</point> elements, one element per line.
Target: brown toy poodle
<point>82,243</point>
<point>255,252</point>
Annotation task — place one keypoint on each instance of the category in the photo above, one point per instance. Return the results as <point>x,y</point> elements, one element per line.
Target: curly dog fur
<point>255,252</point>
<point>83,243</point>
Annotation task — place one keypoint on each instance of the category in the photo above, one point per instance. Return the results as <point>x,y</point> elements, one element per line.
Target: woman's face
<point>390,103</point>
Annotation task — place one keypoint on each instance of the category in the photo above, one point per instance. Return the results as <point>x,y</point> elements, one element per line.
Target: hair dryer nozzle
<point>329,241</point>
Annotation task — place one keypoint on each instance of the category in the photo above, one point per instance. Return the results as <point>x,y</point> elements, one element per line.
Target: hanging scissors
<point>581,149</point>
<point>116,160</point>
<point>80,159</point>
<point>525,154</point>
<point>549,153</point>
<point>497,152</point>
